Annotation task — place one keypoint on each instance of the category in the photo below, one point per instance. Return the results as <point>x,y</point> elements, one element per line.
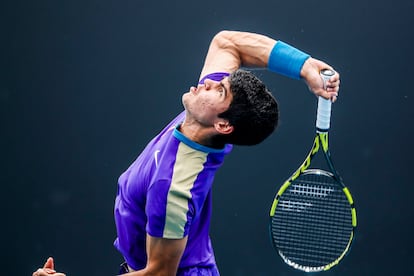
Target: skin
<point>228,51</point>
<point>48,269</point>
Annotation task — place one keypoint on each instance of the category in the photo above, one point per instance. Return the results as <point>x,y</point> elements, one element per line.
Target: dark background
<point>85,84</point>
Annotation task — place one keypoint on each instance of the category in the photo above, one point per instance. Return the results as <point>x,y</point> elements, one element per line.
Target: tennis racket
<point>313,218</point>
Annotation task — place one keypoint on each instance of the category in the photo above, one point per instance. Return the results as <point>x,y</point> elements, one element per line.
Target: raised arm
<point>230,50</point>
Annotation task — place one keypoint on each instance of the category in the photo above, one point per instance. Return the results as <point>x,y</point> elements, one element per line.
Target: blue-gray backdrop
<point>85,84</point>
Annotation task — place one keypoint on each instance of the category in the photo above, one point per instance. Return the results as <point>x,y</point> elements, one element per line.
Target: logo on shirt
<point>156,157</point>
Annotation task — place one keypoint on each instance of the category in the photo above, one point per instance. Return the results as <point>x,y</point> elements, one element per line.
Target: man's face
<point>204,102</point>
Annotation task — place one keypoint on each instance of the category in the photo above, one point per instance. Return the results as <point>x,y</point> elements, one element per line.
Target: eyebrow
<point>225,89</point>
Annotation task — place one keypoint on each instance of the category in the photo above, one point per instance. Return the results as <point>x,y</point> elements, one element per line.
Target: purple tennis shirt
<point>166,192</point>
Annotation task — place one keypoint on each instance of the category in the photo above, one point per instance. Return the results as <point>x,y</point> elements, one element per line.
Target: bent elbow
<point>223,39</point>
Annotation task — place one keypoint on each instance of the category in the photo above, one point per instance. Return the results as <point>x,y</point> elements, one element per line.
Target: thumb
<point>49,263</point>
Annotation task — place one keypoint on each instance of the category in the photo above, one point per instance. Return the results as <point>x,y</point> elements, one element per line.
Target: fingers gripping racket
<point>313,218</point>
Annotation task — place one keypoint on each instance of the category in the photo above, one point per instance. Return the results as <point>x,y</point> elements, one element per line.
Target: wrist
<point>306,69</point>
<point>287,60</point>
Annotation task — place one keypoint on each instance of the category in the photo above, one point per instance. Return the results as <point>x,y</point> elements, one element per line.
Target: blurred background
<point>85,84</point>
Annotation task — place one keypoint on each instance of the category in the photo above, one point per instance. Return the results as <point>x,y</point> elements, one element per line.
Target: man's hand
<point>48,269</point>
<point>311,74</point>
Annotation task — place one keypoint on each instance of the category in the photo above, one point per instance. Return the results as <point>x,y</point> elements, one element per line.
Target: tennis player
<point>163,206</point>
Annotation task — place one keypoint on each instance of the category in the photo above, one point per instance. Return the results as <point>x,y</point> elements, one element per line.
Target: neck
<point>199,134</point>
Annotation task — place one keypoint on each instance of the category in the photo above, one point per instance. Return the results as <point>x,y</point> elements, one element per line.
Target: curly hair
<point>253,112</point>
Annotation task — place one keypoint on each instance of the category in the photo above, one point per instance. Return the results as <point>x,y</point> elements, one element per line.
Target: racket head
<point>312,221</point>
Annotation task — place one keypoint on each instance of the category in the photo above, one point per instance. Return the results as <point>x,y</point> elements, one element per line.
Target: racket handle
<point>323,118</point>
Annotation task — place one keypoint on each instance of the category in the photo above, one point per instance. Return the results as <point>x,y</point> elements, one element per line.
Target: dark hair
<point>253,113</point>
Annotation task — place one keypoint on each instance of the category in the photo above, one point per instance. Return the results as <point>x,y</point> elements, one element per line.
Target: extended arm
<point>230,50</point>
<point>163,258</point>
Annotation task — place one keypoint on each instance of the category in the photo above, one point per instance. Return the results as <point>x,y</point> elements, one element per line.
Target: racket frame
<point>320,143</point>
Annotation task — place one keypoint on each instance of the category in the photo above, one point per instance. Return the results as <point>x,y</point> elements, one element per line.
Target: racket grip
<point>323,118</point>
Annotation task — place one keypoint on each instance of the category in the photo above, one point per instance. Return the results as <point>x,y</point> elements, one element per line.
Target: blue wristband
<point>286,60</point>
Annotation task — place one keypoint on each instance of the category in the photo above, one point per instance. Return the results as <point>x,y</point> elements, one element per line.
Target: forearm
<point>257,50</point>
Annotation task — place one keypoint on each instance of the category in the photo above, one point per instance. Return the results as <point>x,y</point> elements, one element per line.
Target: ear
<point>223,127</point>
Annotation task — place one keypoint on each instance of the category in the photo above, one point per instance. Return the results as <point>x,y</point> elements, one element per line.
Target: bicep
<point>164,255</point>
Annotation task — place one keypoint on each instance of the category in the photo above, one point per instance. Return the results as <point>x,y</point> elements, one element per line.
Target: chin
<point>183,99</point>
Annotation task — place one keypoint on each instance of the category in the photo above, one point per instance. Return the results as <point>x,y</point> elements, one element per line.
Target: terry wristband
<point>286,60</point>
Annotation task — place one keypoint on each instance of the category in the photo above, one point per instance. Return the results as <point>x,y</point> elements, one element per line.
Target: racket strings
<point>296,237</point>
<point>297,205</point>
<point>318,234</point>
<point>312,224</point>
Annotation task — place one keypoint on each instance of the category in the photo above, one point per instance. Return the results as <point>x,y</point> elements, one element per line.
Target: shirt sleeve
<point>169,210</point>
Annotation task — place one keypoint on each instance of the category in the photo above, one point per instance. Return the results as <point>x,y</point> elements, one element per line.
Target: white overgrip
<point>323,118</point>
